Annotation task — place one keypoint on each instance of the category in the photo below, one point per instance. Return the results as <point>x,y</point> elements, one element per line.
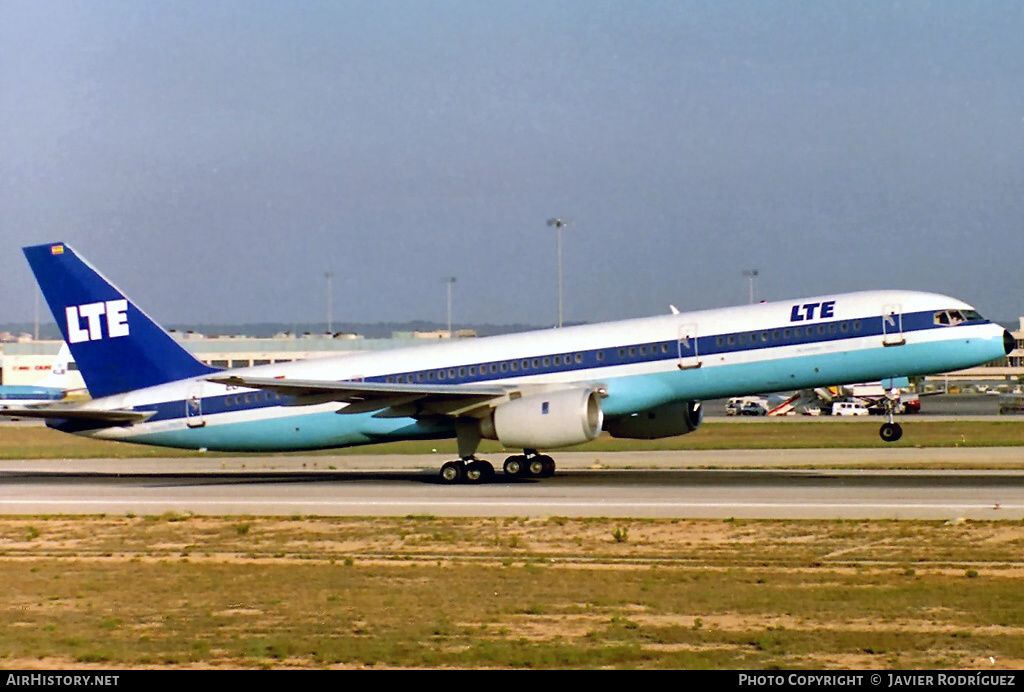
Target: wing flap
<point>351,392</point>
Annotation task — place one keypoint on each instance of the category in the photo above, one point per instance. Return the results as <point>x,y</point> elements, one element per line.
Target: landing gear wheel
<point>515,466</point>
<point>541,466</point>
<point>479,471</point>
<point>890,432</point>
<point>549,467</point>
<point>452,472</point>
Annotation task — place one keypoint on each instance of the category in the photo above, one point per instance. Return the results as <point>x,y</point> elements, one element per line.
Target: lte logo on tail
<point>116,320</point>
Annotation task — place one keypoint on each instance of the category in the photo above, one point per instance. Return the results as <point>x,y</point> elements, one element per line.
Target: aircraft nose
<point>1009,343</point>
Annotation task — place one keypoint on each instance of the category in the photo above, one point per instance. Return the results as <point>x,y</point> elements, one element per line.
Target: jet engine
<point>546,421</point>
<point>667,420</point>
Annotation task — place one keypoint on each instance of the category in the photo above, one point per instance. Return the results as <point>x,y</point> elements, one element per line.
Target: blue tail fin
<point>117,346</point>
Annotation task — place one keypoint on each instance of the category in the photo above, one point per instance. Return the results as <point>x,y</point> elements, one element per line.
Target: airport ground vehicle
<point>1011,403</point>
<point>753,408</point>
<point>849,408</point>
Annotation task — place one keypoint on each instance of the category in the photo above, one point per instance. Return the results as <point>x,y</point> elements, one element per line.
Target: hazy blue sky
<point>214,158</point>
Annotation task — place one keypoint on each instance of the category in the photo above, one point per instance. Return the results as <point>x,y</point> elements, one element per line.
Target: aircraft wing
<point>362,397</point>
<point>106,417</point>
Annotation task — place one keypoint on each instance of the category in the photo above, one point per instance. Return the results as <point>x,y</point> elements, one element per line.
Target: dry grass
<point>177,591</point>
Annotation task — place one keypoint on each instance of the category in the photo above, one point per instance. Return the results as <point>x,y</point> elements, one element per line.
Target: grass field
<point>305,592</point>
<point>38,442</point>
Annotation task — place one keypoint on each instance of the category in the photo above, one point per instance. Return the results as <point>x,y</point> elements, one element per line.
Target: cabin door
<point>689,353</point>
<point>892,326</point>
<point>194,407</point>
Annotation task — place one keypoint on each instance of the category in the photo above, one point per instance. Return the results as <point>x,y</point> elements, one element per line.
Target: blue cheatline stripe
<point>626,395</point>
<point>789,334</point>
<point>580,361</point>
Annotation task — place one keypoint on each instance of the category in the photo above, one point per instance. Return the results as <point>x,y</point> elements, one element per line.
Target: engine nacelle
<point>667,420</point>
<point>546,421</point>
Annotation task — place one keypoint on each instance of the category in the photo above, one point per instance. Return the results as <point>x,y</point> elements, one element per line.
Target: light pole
<point>449,280</point>
<point>558,225</point>
<point>330,321</point>
<point>751,274</point>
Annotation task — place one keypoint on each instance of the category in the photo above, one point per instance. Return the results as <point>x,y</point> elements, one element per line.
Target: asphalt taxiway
<point>771,484</point>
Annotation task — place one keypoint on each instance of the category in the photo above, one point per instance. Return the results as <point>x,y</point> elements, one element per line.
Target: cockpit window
<point>951,318</point>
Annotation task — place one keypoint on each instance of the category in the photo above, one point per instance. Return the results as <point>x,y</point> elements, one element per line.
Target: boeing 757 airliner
<point>536,391</point>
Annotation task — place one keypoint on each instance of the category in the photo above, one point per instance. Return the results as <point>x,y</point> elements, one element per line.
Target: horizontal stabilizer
<point>109,416</point>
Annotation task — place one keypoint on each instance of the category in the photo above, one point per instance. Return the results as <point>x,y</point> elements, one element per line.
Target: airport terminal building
<point>25,361</point>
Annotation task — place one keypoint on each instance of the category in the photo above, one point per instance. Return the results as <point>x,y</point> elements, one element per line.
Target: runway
<point>768,484</point>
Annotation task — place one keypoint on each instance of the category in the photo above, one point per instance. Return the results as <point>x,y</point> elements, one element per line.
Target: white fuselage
<point>639,363</point>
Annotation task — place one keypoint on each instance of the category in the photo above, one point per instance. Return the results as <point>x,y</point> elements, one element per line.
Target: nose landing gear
<point>891,431</point>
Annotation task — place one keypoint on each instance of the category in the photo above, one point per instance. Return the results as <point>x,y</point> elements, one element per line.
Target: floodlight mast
<point>558,224</point>
<point>751,274</point>
<point>449,280</point>
<point>330,307</point>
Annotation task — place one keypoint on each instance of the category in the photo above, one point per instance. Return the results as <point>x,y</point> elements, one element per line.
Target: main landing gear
<point>469,470</point>
<point>473,470</point>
